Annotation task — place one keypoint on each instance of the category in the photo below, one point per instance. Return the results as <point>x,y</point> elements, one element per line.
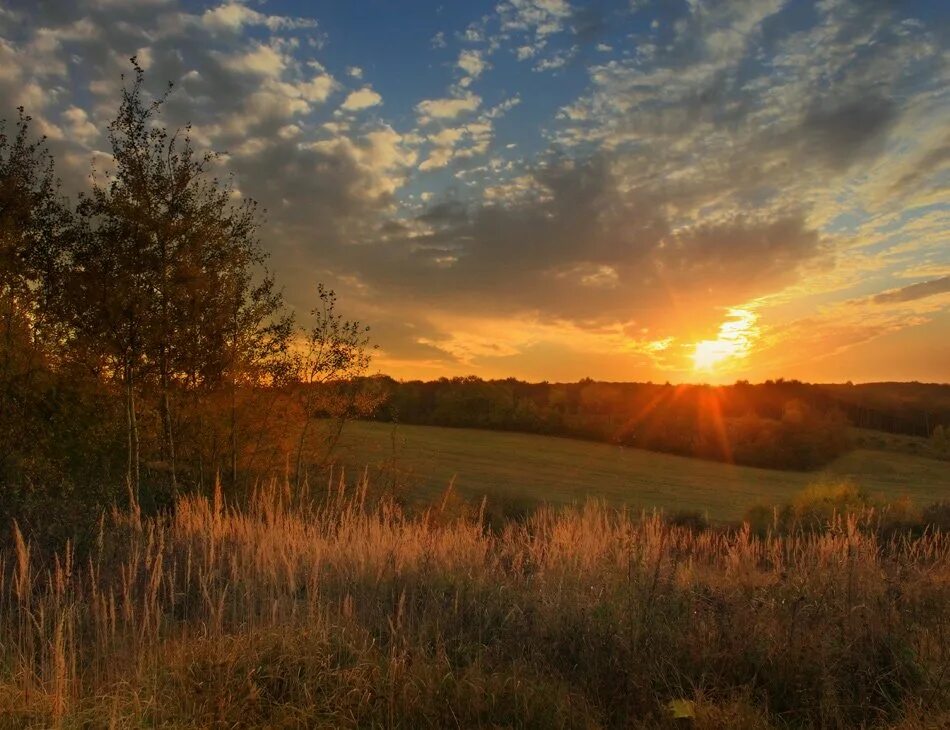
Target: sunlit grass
<point>338,610</point>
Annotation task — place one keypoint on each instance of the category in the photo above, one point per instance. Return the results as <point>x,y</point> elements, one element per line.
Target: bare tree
<point>336,355</point>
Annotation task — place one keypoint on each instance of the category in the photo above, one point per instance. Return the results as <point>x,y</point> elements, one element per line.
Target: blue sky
<point>626,189</point>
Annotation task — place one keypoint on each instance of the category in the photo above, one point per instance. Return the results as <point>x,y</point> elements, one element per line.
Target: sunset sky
<point>627,190</point>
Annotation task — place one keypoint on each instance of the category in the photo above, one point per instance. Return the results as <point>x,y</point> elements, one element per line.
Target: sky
<point>679,190</point>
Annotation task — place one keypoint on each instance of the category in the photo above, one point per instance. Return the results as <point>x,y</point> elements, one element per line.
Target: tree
<point>168,291</point>
<point>329,373</point>
<point>33,226</point>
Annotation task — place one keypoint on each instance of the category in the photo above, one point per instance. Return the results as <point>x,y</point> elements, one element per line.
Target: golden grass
<point>324,611</point>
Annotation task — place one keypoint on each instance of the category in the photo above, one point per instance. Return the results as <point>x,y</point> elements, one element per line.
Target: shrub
<point>762,519</point>
<point>817,505</point>
<point>692,520</point>
<point>937,515</point>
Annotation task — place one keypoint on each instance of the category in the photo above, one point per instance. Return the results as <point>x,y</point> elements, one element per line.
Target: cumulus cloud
<point>262,60</point>
<point>583,252</point>
<point>472,63</point>
<point>234,16</point>
<point>447,108</point>
<point>361,99</point>
<point>542,17</point>
<point>79,126</point>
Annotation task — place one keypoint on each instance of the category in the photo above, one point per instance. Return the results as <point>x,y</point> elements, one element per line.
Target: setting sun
<point>734,342</point>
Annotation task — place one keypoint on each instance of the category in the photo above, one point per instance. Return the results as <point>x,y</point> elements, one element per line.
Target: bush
<point>762,519</point>
<point>827,502</point>
<point>692,520</point>
<point>818,504</point>
<point>937,515</point>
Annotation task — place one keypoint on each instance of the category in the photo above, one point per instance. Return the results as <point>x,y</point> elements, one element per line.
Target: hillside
<point>564,471</point>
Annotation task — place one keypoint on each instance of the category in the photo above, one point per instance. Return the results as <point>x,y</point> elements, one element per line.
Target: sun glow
<point>734,342</point>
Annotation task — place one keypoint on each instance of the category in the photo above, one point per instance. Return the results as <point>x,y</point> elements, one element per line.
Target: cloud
<point>79,126</point>
<point>915,291</point>
<point>317,89</point>
<point>262,60</point>
<point>717,153</point>
<point>845,132</point>
<point>234,16</point>
<point>361,99</point>
<point>541,17</point>
<point>452,143</point>
<point>447,108</point>
<point>582,252</point>
<point>472,63</point>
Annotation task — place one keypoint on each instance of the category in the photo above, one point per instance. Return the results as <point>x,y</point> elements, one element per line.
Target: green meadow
<point>562,471</point>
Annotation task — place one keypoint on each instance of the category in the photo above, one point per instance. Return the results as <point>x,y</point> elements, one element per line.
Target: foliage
<point>327,378</point>
<point>141,329</point>
<point>828,501</point>
<point>937,516</point>
<point>775,425</point>
<point>183,312</point>
<point>940,439</point>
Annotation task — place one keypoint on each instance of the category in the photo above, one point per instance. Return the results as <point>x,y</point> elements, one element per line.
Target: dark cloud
<point>914,291</point>
<point>842,133</point>
<point>589,22</point>
<point>931,162</point>
<point>583,252</point>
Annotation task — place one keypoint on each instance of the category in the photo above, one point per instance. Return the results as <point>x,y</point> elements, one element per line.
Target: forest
<point>783,424</point>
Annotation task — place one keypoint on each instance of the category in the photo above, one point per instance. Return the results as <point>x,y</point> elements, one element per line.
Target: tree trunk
<point>234,442</point>
<point>132,472</point>
<point>167,421</point>
<point>303,436</point>
<point>334,438</point>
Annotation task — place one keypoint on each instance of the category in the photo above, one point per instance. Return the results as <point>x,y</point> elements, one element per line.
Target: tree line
<point>785,424</point>
<point>145,347</point>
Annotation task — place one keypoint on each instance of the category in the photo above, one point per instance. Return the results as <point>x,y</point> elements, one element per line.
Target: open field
<point>564,471</point>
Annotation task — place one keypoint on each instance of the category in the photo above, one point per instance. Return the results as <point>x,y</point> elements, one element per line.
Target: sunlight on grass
<point>340,609</point>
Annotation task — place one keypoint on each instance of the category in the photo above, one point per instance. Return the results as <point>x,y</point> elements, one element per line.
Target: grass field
<point>564,471</point>
<point>342,614</point>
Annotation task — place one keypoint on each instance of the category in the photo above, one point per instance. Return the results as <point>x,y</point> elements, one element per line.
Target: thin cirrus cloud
<point>547,175</point>
<point>915,291</point>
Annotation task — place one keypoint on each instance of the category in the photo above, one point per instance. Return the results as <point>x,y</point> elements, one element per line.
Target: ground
<point>563,471</point>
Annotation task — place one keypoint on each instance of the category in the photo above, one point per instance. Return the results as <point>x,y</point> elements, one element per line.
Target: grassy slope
<point>562,471</point>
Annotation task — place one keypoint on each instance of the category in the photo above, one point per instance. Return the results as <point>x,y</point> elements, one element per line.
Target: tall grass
<point>334,610</point>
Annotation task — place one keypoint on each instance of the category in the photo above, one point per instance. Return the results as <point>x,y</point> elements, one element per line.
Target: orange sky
<point>554,189</point>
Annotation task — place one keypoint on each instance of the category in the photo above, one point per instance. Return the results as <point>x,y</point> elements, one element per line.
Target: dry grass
<point>328,612</point>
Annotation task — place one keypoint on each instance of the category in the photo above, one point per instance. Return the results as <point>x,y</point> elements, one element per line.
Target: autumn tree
<point>33,225</point>
<point>328,374</point>
<point>168,291</point>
